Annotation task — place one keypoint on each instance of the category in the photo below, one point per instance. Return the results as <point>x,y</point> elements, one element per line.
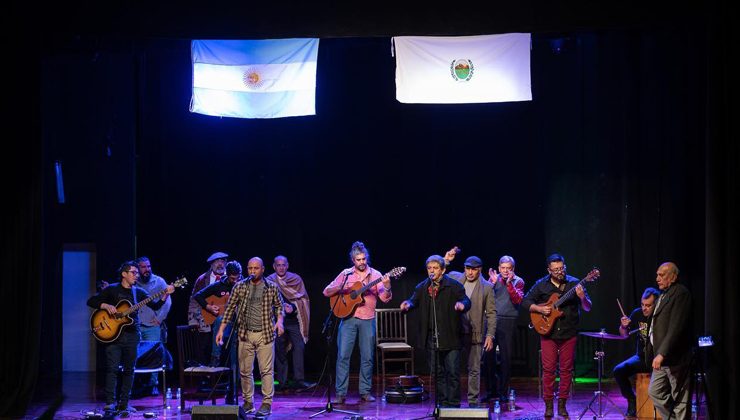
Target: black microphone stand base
<point>330,409</point>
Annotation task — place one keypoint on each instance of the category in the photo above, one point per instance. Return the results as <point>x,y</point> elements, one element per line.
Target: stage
<point>81,397</point>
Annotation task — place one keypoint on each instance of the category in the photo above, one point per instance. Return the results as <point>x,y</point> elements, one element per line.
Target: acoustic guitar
<point>208,317</point>
<point>543,323</point>
<point>107,328</point>
<point>345,302</point>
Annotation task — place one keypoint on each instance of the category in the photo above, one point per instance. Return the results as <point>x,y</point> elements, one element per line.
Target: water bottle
<point>168,397</point>
<point>512,400</point>
<point>179,399</point>
<point>694,411</point>
<point>496,407</point>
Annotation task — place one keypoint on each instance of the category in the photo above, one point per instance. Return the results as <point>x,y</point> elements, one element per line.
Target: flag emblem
<point>253,79</point>
<point>461,69</point>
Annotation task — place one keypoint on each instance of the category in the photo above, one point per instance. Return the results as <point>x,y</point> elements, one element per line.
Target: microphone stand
<point>233,367</point>
<point>435,358</point>
<point>329,325</point>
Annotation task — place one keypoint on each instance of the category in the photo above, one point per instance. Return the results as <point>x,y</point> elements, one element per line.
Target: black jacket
<point>449,321</point>
<point>671,328</point>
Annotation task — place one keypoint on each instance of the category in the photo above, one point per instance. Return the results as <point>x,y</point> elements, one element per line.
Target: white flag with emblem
<point>465,69</point>
<point>270,78</point>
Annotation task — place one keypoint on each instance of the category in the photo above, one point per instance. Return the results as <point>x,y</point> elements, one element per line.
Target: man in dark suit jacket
<point>441,300</point>
<point>669,345</point>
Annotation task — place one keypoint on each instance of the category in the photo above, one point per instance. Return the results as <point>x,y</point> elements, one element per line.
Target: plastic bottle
<point>168,397</point>
<point>496,407</point>
<point>179,399</point>
<point>512,400</point>
<point>694,411</point>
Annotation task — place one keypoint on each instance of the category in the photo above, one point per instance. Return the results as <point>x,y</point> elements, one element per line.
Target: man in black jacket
<point>669,345</point>
<point>442,301</point>
<point>122,351</point>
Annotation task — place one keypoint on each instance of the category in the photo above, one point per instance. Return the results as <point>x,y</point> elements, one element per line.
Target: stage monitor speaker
<point>463,413</point>
<point>215,412</point>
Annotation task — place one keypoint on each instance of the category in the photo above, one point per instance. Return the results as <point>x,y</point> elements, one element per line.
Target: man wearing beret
<point>479,323</point>
<point>215,273</point>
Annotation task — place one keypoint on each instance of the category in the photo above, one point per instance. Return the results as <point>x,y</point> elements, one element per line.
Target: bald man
<point>260,316</point>
<point>668,349</point>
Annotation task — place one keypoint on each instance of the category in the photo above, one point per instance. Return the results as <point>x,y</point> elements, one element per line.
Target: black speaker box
<point>215,412</point>
<point>463,413</point>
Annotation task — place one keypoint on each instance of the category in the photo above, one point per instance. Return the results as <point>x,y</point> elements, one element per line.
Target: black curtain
<point>621,161</point>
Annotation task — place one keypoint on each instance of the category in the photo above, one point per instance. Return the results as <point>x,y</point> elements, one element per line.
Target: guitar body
<point>543,323</point>
<point>344,304</point>
<point>208,317</point>
<point>106,327</point>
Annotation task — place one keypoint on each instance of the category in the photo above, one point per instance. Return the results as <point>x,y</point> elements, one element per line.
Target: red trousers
<point>552,350</point>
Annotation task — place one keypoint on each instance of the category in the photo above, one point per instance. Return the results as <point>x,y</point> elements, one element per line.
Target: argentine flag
<point>255,78</point>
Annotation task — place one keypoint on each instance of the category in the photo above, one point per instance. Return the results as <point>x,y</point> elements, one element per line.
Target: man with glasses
<point>559,347</point>
<point>122,351</point>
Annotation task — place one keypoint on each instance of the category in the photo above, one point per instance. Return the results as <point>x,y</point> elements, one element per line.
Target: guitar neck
<point>144,302</point>
<point>369,285</point>
<point>567,295</point>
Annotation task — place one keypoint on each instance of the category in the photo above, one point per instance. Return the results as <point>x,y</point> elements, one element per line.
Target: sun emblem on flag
<point>462,69</point>
<point>253,79</point>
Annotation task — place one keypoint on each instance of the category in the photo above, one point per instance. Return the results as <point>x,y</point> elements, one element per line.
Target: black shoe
<point>631,408</point>
<point>549,409</point>
<point>562,411</point>
<point>265,410</point>
<point>247,408</point>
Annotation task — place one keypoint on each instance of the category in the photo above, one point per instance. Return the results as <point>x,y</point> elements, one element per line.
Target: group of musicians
<point>461,314</point>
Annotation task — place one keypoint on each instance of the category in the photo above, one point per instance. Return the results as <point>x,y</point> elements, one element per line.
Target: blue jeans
<point>349,331</point>
<point>623,371</point>
<point>151,333</point>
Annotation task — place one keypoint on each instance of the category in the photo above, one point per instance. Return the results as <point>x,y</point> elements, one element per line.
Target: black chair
<point>190,345</point>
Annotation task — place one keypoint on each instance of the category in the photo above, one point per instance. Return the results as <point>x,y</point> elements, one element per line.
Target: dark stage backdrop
<point>607,165</point>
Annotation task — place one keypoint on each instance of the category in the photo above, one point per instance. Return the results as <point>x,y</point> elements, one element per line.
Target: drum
<point>644,403</point>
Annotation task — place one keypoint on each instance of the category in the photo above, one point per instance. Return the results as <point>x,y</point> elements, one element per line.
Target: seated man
<point>636,363</point>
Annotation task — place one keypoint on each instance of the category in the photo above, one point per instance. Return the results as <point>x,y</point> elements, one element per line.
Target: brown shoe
<point>339,399</point>
<point>367,398</point>
<point>548,409</point>
<point>561,408</point>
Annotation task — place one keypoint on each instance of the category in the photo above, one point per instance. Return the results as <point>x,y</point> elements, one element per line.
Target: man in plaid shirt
<point>259,304</point>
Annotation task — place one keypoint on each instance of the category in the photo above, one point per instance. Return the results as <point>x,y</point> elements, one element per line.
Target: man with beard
<point>217,270</point>
<point>360,326</point>
<point>479,323</point>
<point>297,315</point>
<point>221,289</point>
<point>442,302</point>
<point>559,347</point>
<point>152,326</point>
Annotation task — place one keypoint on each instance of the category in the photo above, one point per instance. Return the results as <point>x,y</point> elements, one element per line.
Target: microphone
<point>250,278</point>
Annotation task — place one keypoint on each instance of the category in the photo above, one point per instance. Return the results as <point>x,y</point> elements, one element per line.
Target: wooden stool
<point>644,403</point>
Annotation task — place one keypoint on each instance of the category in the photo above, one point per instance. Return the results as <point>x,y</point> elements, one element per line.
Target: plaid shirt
<point>272,305</point>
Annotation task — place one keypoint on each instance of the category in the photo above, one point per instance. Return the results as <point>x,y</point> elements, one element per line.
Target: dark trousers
<point>293,337</point>
<point>623,371</point>
<point>497,368</point>
<point>120,353</point>
<point>447,374</point>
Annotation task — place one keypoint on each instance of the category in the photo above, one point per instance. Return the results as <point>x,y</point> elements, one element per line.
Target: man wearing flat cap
<point>479,323</point>
<point>215,273</point>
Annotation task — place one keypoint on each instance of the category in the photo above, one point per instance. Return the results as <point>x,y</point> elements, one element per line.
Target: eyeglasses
<point>557,270</point>
<point>133,271</point>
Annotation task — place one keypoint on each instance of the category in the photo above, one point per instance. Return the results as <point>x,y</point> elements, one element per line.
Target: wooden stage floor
<point>81,398</point>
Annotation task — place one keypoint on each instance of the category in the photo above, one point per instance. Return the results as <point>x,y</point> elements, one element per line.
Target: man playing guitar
<point>560,342</point>
<point>122,351</point>
<point>361,325</point>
